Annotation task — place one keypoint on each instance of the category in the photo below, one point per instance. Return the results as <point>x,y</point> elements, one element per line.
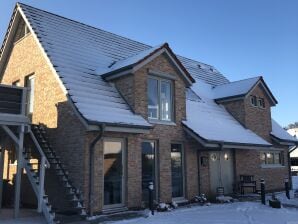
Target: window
<point>148,169</point>
<point>159,99</point>
<point>261,102</point>
<point>177,171</point>
<point>30,95</point>
<point>113,169</point>
<point>253,100</point>
<point>272,158</point>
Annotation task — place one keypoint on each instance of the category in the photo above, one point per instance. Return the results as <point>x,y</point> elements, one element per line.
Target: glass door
<point>148,169</point>
<point>113,173</point>
<point>177,171</point>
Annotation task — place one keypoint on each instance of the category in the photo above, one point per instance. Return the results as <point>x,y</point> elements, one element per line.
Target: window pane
<point>113,172</point>
<point>269,156</point>
<point>177,170</point>
<point>153,98</point>
<point>165,98</point>
<point>277,158</point>
<point>263,158</point>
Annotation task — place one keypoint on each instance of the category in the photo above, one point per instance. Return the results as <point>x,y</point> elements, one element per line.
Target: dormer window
<point>261,102</point>
<point>160,99</point>
<point>253,100</point>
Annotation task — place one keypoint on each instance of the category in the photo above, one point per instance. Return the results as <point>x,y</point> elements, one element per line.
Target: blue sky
<point>240,38</point>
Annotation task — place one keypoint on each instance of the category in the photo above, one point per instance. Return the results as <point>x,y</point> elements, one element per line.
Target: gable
<point>241,89</point>
<point>135,62</point>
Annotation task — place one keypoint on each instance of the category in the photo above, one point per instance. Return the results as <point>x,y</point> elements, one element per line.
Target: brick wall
<point>164,134</point>
<point>51,106</point>
<point>248,162</point>
<point>133,168</point>
<point>258,119</point>
<point>237,109</point>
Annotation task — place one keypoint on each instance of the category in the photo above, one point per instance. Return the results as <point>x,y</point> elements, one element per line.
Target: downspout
<point>91,168</point>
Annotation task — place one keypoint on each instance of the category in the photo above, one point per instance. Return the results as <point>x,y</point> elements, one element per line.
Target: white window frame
<point>159,112</point>
<point>273,164</point>
<point>251,100</point>
<point>261,102</point>
<point>30,99</point>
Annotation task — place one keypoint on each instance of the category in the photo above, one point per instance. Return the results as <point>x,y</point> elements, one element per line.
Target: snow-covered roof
<point>282,134</point>
<point>78,51</point>
<point>237,88</point>
<point>212,122</point>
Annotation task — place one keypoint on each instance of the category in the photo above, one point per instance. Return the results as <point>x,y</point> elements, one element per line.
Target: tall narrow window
<point>177,171</point>
<point>113,172</point>
<point>30,81</point>
<point>148,168</point>
<point>165,100</point>
<point>160,99</point>
<point>153,99</point>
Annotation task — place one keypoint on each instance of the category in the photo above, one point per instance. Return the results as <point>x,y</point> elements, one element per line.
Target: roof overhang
<point>284,142</point>
<point>242,96</point>
<point>132,68</point>
<point>211,144</point>
<point>7,42</point>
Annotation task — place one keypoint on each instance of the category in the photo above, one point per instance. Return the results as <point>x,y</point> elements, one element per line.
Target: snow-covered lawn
<point>233,213</point>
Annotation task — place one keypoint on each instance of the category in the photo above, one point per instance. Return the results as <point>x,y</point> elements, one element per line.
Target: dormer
<point>250,102</point>
<point>153,83</point>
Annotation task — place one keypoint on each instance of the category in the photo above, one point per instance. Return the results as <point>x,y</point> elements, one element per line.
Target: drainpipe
<point>91,168</point>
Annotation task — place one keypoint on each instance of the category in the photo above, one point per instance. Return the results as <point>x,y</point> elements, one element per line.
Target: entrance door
<point>148,169</point>
<point>221,171</point>
<point>113,173</point>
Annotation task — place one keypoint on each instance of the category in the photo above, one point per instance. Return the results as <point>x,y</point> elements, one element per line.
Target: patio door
<point>221,171</point>
<point>113,173</point>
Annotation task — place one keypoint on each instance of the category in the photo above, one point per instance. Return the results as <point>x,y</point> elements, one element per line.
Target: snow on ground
<point>232,213</point>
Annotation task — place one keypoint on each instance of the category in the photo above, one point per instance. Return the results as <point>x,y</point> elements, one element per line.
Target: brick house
<point>113,114</point>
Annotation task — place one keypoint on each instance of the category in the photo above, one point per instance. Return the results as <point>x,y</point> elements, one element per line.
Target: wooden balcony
<point>13,105</point>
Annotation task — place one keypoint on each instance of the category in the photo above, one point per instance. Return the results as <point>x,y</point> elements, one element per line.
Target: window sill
<point>270,166</point>
<point>152,121</point>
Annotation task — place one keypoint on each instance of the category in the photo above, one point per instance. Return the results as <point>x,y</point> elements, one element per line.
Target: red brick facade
<point>71,139</point>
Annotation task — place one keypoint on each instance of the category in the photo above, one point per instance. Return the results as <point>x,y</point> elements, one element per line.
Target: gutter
<point>217,144</point>
<point>91,168</point>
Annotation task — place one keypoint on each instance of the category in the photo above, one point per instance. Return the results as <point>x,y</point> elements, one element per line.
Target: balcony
<point>13,105</point>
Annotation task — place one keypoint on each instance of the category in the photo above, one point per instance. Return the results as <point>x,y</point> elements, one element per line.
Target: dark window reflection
<point>177,170</point>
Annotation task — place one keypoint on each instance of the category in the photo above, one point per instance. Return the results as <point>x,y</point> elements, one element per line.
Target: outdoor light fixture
<point>226,156</point>
<point>213,157</point>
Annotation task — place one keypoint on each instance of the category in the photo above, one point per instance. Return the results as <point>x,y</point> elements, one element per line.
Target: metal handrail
<point>38,147</point>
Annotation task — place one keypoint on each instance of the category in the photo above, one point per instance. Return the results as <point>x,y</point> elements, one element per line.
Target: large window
<point>30,81</point>
<point>113,172</point>
<point>272,158</point>
<point>160,99</point>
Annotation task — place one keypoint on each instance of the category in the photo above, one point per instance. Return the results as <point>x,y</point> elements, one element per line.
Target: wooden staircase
<point>33,174</point>
<point>74,195</point>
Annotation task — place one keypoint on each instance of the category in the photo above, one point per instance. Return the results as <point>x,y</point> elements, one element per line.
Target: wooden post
<point>19,172</point>
<point>41,183</point>
<point>1,170</point>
